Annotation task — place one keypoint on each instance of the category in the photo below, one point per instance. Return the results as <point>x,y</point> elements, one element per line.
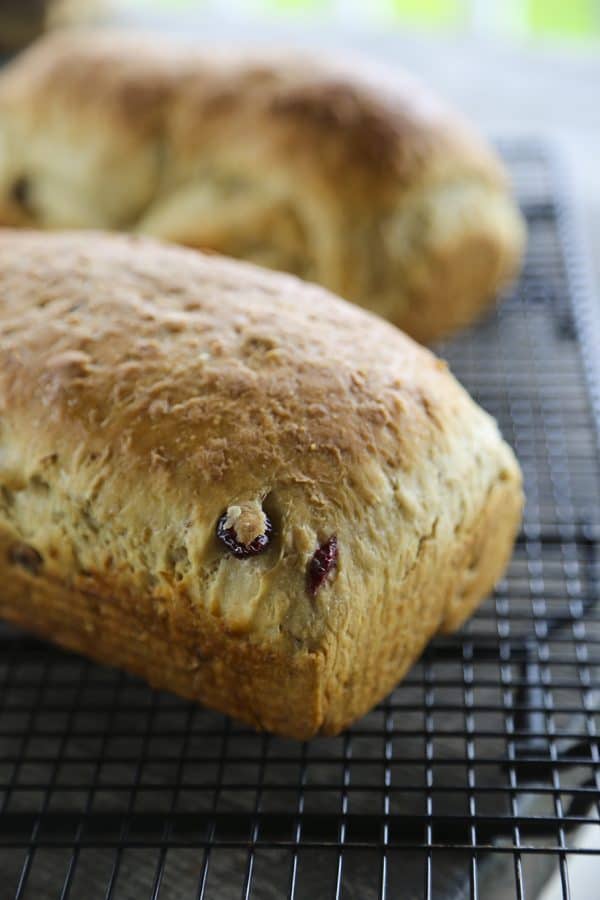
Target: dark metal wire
<point>478,768</point>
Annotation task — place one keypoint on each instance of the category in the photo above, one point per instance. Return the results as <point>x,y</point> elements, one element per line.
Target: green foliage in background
<point>559,18</point>
<point>535,18</point>
<point>439,13</point>
<point>572,18</point>
<point>300,5</point>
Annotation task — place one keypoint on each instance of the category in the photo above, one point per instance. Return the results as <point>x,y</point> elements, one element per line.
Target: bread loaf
<point>234,484</point>
<point>374,190</point>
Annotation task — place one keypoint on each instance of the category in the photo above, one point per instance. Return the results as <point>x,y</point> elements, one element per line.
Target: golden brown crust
<point>265,688</point>
<point>377,192</point>
<point>145,390</point>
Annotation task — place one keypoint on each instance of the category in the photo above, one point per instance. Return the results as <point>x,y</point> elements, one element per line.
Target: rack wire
<point>469,780</point>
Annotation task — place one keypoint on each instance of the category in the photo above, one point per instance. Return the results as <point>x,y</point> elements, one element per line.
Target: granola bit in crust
<point>245,529</point>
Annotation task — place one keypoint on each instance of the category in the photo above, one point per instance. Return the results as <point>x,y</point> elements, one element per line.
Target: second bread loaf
<point>378,192</point>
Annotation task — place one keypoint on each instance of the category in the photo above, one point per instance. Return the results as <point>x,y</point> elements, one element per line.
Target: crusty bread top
<point>145,389</point>
<point>206,367</point>
<point>390,133</point>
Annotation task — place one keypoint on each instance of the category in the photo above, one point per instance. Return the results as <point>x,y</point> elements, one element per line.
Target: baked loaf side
<point>157,404</point>
<point>324,170</point>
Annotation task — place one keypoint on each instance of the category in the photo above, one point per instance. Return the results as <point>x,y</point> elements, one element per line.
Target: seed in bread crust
<point>245,529</point>
<point>20,192</point>
<point>25,556</point>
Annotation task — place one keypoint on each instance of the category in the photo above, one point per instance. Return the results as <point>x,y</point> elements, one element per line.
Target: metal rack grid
<point>468,781</point>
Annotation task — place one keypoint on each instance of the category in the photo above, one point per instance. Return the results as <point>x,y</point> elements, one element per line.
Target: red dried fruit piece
<point>324,560</point>
<point>228,537</point>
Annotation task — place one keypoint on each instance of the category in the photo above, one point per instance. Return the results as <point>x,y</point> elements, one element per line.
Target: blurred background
<point>539,19</point>
<point>576,19</point>
<point>576,22</point>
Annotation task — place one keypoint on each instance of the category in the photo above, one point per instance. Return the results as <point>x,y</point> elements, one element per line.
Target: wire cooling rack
<point>468,781</point>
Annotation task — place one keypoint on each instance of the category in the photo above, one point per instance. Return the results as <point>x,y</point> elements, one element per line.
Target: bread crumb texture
<point>146,391</point>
